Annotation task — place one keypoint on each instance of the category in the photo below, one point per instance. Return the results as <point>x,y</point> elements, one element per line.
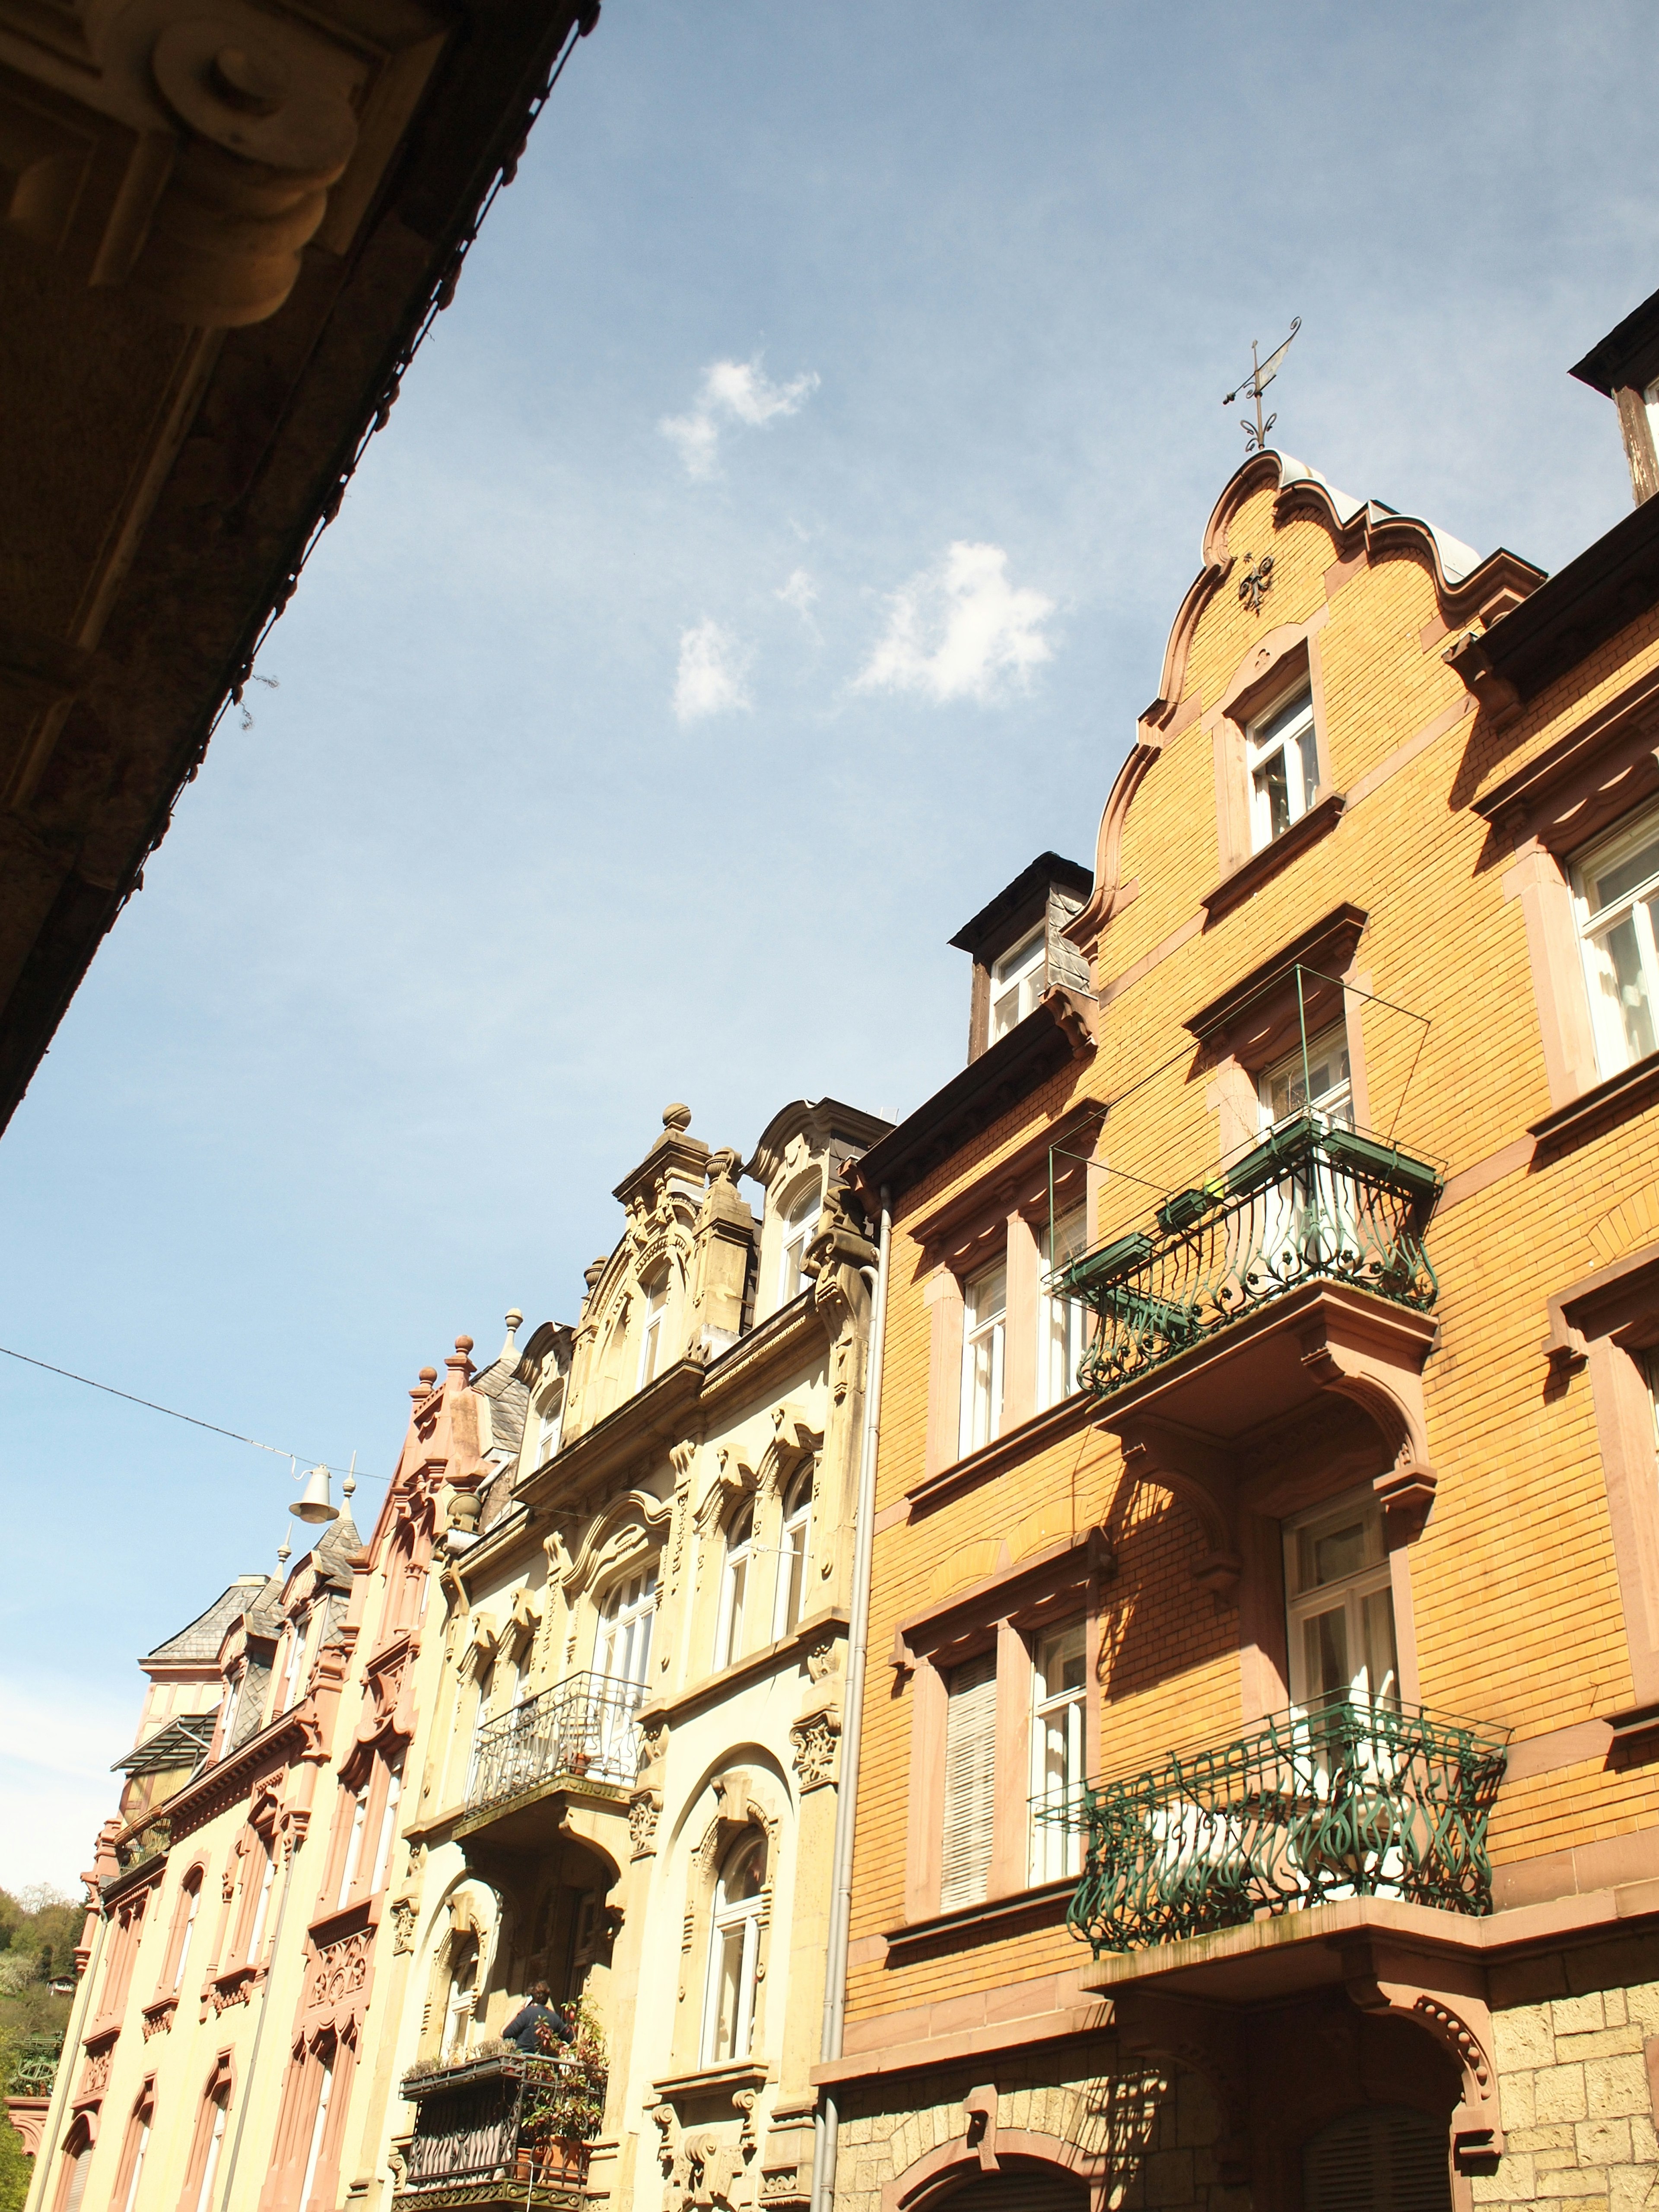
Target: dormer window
<point>1283,758</point>
<point>798,1226</point>
<point>656,1304</point>
<point>552,1422</point>
<point>1017,983</point>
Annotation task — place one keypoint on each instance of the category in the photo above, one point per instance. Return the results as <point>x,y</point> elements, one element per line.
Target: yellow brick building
<point>1316,1131</point>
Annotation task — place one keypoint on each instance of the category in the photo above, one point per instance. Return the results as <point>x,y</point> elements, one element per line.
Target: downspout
<point>46,2159</point>
<point>249,2078</point>
<point>827,2121</point>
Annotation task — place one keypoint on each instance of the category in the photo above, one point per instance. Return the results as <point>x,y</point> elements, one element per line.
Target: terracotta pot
<point>524,2166</point>
<point>564,2163</point>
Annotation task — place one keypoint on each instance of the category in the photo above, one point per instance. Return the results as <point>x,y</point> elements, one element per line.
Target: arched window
<point>550,1413</point>
<point>793,1552</point>
<point>798,1223</point>
<point>656,1305</point>
<point>1383,2158</point>
<point>325,2075</point>
<point>728,2017</point>
<point>734,1585</point>
<point>293,1673</point>
<point>75,2170</point>
<point>131,2168</point>
<point>623,1648</point>
<point>462,1999</point>
<point>183,1927</point>
<point>198,2194</point>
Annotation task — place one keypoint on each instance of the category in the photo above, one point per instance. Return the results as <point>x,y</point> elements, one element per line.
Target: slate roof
<point>333,1552</point>
<point>199,1641</point>
<point>510,1399</point>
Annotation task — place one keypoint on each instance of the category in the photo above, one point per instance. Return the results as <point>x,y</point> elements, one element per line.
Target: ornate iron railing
<point>1350,1798</point>
<point>584,1726</point>
<point>470,2115</point>
<point>1310,1202</point>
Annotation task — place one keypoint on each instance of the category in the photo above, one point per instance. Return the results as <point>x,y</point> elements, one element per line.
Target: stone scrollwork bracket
<point>1443,1998</point>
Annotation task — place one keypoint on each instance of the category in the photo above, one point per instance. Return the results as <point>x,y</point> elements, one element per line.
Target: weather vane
<point>1261,376</point>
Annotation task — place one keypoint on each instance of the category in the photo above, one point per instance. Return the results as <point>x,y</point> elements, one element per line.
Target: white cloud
<point>799,592</point>
<point>710,678</point>
<point>737,391</point>
<point>959,628</point>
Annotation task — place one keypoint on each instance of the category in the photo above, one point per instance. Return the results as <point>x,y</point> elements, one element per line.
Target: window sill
<point>737,2073</point>
<point>1631,1089</point>
<point>158,2017</point>
<point>789,1650</point>
<point>1247,878</point>
<point>344,1920</point>
<point>1030,1435</point>
<point>996,1917</point>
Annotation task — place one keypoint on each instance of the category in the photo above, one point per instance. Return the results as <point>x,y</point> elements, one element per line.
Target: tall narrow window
<point>625,1645</point>
<point>190,1903</point>
<point>1062,1322</point>
<point>552,1423</point>
<point>734,1953</point>
<point>320,2121</point>
<point>970,1746</point>
<point>213,2120</point>
<point>1283,758</point>
<point>798,1226</point>
<point>734,1588</point>
<point>354,1850</point>
<point>984,1333</point>
<point>1321,1079</point>
<point>394,1789</point>
<point>76,2170</point>
<point>1057,1752</point>
<point>133,2152</point>
<point>1017,983</point>
<point>233,1705</point>
<point>792,1550</point>
<point>267,1876</point>
<point>463,1996</point>
<point>1616,884</point>
<point>293,1673</point>
<point>656,1304</point>
<point>1340,1606</point>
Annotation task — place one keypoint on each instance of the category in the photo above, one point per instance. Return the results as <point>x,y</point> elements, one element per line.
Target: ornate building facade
<point>1259,1805</point>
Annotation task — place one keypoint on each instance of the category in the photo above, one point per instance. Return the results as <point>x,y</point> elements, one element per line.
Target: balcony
<point>1312,1204</point>
<point>582,1731</point>
<point>1348,1798</point>
<point>466,2147</point>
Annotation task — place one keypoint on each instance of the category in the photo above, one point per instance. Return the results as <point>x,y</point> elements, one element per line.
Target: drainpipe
<point>45,2161</point>
<point>827,2123</point>
<point>249,2078</point>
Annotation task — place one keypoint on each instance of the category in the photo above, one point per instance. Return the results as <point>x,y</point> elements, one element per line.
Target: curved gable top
<point>1467,585</point>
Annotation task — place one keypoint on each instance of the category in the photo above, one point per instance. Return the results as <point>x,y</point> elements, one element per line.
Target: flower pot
<point>564,2163</point>
<point>524,2166</point>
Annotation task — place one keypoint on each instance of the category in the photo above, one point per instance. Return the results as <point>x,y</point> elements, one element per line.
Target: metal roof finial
<point>1261,374</point>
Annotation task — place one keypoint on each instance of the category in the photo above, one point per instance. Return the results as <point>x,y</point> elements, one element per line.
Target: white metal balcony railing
<point>583,1728</point>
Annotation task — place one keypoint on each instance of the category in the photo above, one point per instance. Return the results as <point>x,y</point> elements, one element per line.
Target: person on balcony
<point>523,2027</point>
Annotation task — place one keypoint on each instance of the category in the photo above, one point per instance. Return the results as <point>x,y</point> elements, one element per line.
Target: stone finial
<point>725,1166</point>
<point>459,1362</point>
<point>676,1117</point>
<point>514,1323</point>
<point>593,1270</point>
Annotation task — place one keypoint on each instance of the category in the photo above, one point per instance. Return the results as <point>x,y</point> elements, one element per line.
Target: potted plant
<point>564,2101</point>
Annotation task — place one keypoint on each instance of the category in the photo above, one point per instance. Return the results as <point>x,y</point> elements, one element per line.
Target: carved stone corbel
<point>979,2109</point>
<point>1446,1999</point>
<point>1205,1481</point>
<point>1151,2023</point>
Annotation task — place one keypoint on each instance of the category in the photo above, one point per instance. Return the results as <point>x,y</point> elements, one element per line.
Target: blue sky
<point>613,762</point>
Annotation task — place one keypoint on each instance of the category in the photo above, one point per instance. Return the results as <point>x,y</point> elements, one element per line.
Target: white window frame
<point>742,1918</point>
<point>220,2101</point>
<point>394,1790</point>
<point>267,1883</point>
<point>354,1850</point>
<point>1060,1720</point>
<point>798,1226</point>
<point>621,1651</point>
<point>794,1552</point>
<point>462,2002</point>
<point>144,2115</point>
<point>194,1893</point>
<point>1333,1105</point>
<point>984,1348</point>
<point>734,1587</point>
<point>1349,1592</point>
<point>1018,979</point>
<point>651,1329</point>
<point>319,2124</point>
<point>1062,1324</point>
<point>293,1673</point>
<point>970,1797</point>
<point>1284,732</point>
<point>551,1414</point>
<point>1615,1048</point>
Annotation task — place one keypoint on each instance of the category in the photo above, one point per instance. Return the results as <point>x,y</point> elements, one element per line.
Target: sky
<point>768,556</point>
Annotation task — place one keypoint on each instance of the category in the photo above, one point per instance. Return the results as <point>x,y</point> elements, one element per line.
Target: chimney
<point>1624,369</point>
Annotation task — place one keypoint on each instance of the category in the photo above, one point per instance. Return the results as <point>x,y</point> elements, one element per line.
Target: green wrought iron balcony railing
<point>1312,1202</point>
<point>1350,1798</point>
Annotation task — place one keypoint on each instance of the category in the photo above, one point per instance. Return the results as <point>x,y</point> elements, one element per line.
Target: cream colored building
<point>628,1786</point>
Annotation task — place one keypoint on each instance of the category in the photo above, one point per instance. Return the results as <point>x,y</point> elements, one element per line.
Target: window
<point>76,2170</point>
<point>625,1646</point>
<point>728,2018</point>
<point>463,1996</point>
<point>798,1226</point>
<point>265,1868</point>
<point>320,2121</point>
<point>233,1699</point>
<point>552,1422</point>
<point>971,1742</point>
<point>1282,754</point>
<point>1616,886</point>
<point>210,2138</point>
<point>1058,1736</point>
<point>1384,2158</point>
<point>1340,1605</point>
<point>1062,1324</point>
<point>1017,983</point>
<point>1324,1082</point>
<point>394,1789</point>
<point>299,1630</point>
<point>734,1587</point>
<point>190,1903</point>
<point>791,1554</point>
<point>354,1850</point>
<point>984,1333</point>
<point>656,1302</point>
<point>131,2168</point>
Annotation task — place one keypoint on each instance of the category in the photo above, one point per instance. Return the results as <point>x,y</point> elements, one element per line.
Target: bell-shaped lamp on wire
<point>315,1505</point>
